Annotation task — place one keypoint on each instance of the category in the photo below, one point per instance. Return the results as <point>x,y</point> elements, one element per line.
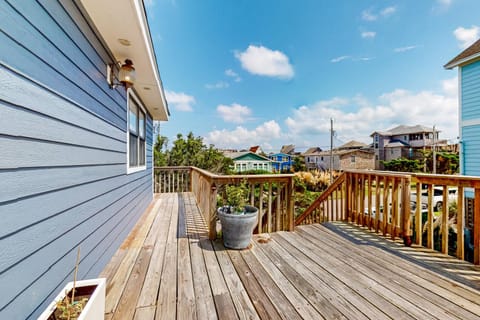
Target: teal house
<point>468,63</point>
<point>249,161</point>
<point>80,89</point>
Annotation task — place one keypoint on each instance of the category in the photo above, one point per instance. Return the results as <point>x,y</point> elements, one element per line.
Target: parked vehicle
<point>437,199</point>
<point>413,208</point>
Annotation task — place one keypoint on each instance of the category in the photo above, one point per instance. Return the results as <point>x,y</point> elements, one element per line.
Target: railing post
<point>444,226</point>
<point>476,228</point>
<point>419,215</point>
<point>430,218</point>
<point>460,224</point>
<point>406,211</point>
<point>212,213</point>
<point>290,204</point>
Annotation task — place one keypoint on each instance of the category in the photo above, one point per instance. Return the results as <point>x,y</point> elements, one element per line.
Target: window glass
<point>141,124</point>
<point>136,134</point>
<point>132,114</point>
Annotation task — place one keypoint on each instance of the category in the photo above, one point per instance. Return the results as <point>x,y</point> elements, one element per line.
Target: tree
<point>160,151</point>
<point>191,151</point>
<point>403,165</point>
<point>298,164</point>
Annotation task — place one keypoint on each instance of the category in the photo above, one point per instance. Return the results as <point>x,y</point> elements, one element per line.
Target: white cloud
<point>450,86</point>
<point>265,62</point>
<point>338,59</point>
<point>466,36</point>
<point>356,118</point>
<point>180,101</point>
<point>364,59</point>
<point>233,74</point>
<point>370,15</point>
<point>404,49</point>
<point>388,11</point>
<point>241,137</point>
<point>218,85</point>
<point>367,15</point>
<point>234,113</point>
<point>368,34</point>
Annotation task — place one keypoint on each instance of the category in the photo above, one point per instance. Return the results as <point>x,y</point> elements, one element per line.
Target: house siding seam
<point>63,165</point>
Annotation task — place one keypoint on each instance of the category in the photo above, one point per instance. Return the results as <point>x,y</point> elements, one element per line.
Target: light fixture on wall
<point>126,75</point>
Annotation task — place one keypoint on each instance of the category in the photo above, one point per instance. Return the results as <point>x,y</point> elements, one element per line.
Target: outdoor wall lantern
<point>126,75</point>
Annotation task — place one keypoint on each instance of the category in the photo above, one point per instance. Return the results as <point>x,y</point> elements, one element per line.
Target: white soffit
<point>119,20</point>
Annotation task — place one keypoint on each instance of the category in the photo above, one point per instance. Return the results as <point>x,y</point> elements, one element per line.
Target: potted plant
<point>80,300</point>
<point>237,219</point>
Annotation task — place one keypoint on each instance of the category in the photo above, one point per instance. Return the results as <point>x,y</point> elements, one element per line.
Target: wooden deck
<point>168,269</point>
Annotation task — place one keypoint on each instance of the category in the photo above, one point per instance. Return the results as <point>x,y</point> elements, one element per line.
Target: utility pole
<point>331,150</point>
<point>434,156</point>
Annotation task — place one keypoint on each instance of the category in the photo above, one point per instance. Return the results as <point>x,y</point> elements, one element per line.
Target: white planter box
<point>95,307</point>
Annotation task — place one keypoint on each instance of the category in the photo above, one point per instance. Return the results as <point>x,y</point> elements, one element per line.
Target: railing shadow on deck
<point>272,194</point>
<point>373,199</point>
<point>376,199</point>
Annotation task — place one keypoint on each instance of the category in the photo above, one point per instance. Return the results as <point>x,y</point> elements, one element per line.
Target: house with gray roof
<point>351,155</point>
<point>403,142</point>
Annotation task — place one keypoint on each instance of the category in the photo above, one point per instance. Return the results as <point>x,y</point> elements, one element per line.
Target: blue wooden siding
<point>63,155</point>
<point>470,90</point>
<point>471,150</point>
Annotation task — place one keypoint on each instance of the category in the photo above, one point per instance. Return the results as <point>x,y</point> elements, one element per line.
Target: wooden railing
<point>394,204</point>
<point>272,194</point>
<point>172,179</point>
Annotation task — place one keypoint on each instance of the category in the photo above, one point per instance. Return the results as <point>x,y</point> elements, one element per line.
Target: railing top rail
<point>173,168</point>
<point>381,173</point>
<point>426,178</point>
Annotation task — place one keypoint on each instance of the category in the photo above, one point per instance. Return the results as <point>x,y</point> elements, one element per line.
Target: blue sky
<point>271,73</point>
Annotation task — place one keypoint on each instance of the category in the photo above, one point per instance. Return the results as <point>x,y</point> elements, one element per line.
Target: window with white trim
<point>136,134</point>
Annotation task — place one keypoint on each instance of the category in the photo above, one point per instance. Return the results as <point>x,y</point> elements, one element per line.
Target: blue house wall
<point>281,161</point>
<point>63,155</point>
<point>470,119</point>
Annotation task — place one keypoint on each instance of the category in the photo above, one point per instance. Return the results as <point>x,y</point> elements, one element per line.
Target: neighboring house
<point>76,155</point>
<point>351,155</point>
<point>281,161</point>
<point>468,63</point>
<point>313,159</point>
<point>403,142</point>
<point>288,149</point>
<point>249,161</point>
<point>256,150</point>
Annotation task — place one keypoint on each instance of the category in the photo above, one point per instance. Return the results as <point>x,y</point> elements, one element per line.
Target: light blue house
<point>468,63</point>
<point>281,162</point>
<point>249,161</point>
<point>75,153</point>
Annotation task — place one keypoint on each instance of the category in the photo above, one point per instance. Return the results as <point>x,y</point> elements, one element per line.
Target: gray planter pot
<point>237,229</point>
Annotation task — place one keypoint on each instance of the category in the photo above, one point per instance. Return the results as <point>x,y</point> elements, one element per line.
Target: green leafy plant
<point>236,198</point>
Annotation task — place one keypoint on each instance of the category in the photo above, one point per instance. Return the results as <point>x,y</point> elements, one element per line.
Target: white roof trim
<point>463,61</point>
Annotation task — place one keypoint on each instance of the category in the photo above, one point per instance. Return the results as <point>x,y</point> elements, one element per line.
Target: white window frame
<point>132,95</point>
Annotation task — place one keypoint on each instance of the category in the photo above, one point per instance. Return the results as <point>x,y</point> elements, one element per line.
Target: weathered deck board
<point>168,269</point>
